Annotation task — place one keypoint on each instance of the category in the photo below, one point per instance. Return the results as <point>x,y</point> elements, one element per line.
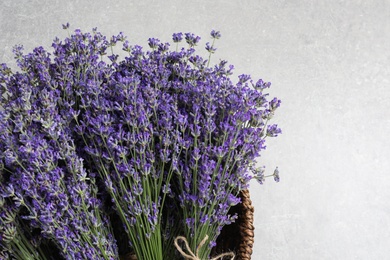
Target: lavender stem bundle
<point>42,174</point>
<point>102,156</point>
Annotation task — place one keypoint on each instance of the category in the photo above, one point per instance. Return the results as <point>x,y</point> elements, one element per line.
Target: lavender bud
<point>215,34</point>
<point>177,37</point>
<point>276,175</point>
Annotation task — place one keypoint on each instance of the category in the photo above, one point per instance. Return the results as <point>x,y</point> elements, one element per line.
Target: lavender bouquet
<point>101,156</point>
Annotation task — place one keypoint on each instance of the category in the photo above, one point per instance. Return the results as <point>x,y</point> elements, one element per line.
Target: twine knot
<point>191,255</point>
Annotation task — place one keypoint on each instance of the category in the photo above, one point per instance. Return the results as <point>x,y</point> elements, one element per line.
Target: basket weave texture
<point>237,237</point>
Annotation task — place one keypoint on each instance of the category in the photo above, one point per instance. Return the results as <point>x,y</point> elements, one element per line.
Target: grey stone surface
<point>329,62</point>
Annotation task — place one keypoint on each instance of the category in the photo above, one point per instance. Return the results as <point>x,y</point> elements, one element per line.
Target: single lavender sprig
<point>210,48</point>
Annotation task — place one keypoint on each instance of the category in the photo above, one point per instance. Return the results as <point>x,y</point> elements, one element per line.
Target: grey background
<point>329,62</point>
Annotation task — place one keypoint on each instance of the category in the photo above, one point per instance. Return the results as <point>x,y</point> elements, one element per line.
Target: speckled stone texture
<point>329,62</point>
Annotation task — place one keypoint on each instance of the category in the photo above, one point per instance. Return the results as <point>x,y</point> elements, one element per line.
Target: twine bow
<point>191,255</point>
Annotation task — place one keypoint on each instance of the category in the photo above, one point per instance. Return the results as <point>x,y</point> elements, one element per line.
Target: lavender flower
<point>153,43</point>
<point>191,39</point>
<point>177,37</point>
<point>273,130</point>
<point>276,175</point>
<point>215,34</point>
<point>65,26</point>
<point>210,48</point>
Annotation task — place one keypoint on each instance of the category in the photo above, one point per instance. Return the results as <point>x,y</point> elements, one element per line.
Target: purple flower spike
<point>276,175</point>
<point>210,48</point>
<point>177,37</point>
<point>153,43</point>
<point>191,39</point>
<point>215,34</point>
<point>65,26</point>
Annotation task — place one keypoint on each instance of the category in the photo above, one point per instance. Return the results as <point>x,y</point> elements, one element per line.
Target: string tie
<point>191,256</point>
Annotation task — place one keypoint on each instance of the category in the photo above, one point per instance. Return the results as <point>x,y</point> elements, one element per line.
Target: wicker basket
<point>237,237</point>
